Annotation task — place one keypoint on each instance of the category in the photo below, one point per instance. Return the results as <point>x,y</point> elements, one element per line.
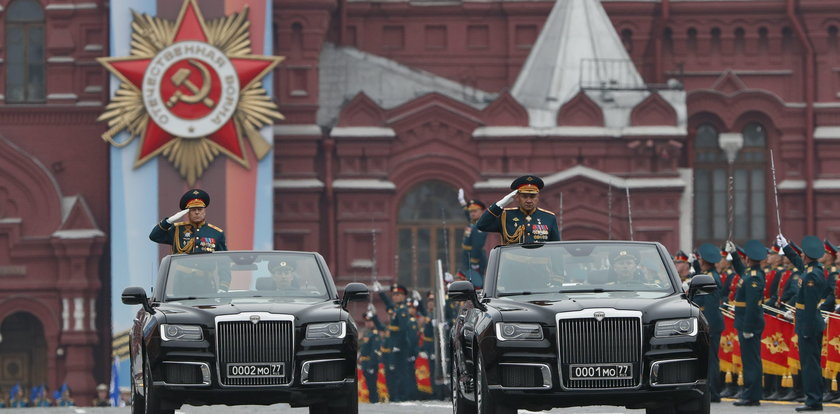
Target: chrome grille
<point>584,340</point>
<point>241,341</point>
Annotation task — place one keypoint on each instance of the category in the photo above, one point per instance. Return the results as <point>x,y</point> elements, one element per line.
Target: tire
<point>138,402</point>
<point>153,400</point>
<point>484,401</point>
<point>459,404</point>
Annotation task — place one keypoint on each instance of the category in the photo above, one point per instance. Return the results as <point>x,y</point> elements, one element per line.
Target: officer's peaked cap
<point>680,256</point>
<point>530,184</point>
<point>195,198</point>
<point>813,247</point>
<point>829,247</point>
<point>475,204</point>
<point>709,253</point>
<point>755,250</point>
<point>397,288</point>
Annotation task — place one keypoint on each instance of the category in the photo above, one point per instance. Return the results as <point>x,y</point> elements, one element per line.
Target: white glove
<point>789,315</point>
<point>748,335</point>
<point>377,287</point>
<point>461,197</point>
<point>416,296</point>
<point>177,216</point>
<point>371,309</point>
<point>730,247</point>
<point>692,258</point>
<point>447,277</point>
<point>506,199</point>
<point>781,241</point>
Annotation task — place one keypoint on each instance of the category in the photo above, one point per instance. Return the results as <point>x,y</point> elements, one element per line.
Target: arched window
<point>711,194</point>
<point>430,226</point>
<point>23,349</point>
<point>25,67</point>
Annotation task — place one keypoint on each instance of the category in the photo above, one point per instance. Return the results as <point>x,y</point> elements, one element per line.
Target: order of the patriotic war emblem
<point>191,90</point>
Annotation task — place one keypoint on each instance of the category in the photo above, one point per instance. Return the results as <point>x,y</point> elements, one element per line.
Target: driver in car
<point>625,269</point>
<point>284,274</point>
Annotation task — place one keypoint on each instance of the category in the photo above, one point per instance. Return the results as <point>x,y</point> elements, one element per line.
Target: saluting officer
<point>526,223</point>
<point>749,317</point>
<point>473,256</point>
<point>809,322</point>
<point>195,235</point>
<point>710,306</point>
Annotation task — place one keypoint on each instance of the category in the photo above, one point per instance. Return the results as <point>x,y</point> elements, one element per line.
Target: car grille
<point>325,371</point>
<point>243,342</point>
<point>183,373</point>
<point>524,375</point>
<point>587,341</point>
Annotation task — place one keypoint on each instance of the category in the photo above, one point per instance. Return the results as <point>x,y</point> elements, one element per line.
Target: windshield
<point>634,270</point>
<point>243,275</point>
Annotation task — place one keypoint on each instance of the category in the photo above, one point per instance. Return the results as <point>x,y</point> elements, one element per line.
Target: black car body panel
<point>260,333</point>
<point>532,374</point>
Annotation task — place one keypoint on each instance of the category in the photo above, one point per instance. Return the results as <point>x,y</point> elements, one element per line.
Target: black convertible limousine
<point>244,327</point>
<point>565,324</point>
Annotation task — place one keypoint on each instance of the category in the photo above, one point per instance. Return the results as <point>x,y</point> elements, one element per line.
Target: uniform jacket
<point>809,321</point>
<point>473,255</point>
<point>519,226</point>
<point>749,315</point>
<point>188,237</point>
<point>828,298</point>
<point>369,350</point>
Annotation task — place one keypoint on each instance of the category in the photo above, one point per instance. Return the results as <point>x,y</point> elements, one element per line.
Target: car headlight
<point>507,331</point>
<point>676,327</point>
<point>170,332</point>
<point>329,330</point>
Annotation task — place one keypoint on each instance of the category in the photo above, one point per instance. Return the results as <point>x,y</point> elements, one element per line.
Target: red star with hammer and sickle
<point>190,27</point>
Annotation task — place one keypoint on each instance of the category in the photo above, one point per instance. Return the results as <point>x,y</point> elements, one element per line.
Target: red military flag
<point>730,351</point>
<point>775,346</point>
<point>422,373</point>
<point>364,393</point>
<point>831,348</point>
<point>381,385</point>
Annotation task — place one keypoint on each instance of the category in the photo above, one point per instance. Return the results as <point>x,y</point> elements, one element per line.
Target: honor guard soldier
<point>683,268</point>
<point>473,256</point>
<point>195,235</point>
<point>526,223</point>
<point>749,317</point>
<point>401,369</point>
<point>809,322</point>
<point>828,299</point>
<point>710,306</point>
<point>369,346</point>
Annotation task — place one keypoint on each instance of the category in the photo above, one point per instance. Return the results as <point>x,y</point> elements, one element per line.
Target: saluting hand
<point>730,247</point>
<point>461,197</point>
<point>506,199</point>
<point>177,216</point>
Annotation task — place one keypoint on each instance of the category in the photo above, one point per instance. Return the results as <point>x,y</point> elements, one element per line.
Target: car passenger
<point>284,275</point>
<point>625,269</point>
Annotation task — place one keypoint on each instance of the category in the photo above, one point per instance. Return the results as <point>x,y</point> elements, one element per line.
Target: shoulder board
<point>511,208</point>
<point>546,211</point>
<point>215,228</point>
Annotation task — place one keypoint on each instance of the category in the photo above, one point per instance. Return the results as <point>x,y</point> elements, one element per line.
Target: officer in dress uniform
<point>828,300</point>
<point>710,306</point>
<point>526,223</point>
<point>809,322</point>
<point>749,317</point>
<point>473,256</point>
<point>401,368</point>
<point>369,352</point>
<point>195,235</point>
<point>683,268</point>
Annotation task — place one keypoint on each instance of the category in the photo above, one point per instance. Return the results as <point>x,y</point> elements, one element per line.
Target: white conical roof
<point>577,44</point>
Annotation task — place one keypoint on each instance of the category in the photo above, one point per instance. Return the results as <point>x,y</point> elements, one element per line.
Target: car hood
<point>539,310</point>
<point>205,313</point>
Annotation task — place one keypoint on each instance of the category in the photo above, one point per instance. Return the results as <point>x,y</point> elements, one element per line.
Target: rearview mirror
<point>354,292</point>
<point>701,284</point>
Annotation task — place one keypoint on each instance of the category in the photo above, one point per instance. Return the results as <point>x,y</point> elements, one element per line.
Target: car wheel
<point>153,400</point>
<point>484,401</point>
<point>138,402</point>
<point>459,404</point>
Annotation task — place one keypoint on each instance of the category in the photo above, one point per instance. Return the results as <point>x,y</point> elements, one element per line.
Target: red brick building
<point>391,106</point>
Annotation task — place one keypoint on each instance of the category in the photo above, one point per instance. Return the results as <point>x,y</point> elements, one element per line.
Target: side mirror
<point>354,292</point>
<point>464,291</point>
<point>701,285</point>
<point>135,295</point>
